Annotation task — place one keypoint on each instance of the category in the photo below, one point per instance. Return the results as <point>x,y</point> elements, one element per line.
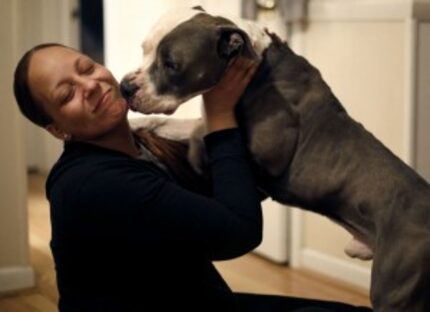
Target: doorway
<point>91,29</point>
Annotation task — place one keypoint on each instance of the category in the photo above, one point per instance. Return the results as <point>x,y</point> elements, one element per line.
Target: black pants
<point>272,303</point>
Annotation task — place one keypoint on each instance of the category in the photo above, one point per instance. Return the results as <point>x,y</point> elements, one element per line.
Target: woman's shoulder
<point>84,164</point>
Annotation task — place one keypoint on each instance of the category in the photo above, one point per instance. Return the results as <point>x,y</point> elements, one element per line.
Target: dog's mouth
<point>145,103</point>
<point>141,96</point>
<point>131,104</point>
<point>128,89</point>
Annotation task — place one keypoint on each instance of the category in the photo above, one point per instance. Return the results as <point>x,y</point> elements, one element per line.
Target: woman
<point>125,235</point>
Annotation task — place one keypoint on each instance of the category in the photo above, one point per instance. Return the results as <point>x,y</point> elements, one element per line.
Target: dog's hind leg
<point>401,274</point>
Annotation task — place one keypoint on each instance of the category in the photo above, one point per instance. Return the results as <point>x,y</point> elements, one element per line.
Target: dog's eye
<point>169,64</point>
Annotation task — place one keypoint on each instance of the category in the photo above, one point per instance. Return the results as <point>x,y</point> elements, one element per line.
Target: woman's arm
<point>139,203</point>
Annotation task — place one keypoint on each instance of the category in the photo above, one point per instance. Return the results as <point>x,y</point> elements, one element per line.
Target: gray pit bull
<point>308,151</point>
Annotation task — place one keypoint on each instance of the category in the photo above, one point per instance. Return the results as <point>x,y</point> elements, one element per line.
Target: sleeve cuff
<point>225,143</point>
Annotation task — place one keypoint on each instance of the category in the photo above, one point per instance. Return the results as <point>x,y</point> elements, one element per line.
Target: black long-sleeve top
<point>125,236</point>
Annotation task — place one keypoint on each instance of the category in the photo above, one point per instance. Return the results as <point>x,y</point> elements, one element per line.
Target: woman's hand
<point>219,102</point>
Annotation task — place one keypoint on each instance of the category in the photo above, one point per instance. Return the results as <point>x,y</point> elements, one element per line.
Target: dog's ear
<point>198,8</point>
<point>234,41</point>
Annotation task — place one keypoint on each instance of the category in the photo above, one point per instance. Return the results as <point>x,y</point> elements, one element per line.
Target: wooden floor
<point>249,273</point>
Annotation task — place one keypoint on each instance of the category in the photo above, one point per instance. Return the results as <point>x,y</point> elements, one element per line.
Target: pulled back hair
<point>28,106</point>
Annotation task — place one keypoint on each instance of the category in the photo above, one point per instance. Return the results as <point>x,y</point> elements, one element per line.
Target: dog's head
<point>185,54</point>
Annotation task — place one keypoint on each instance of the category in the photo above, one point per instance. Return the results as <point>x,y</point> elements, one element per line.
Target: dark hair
<point>173,155</point>
<point>29,107</point>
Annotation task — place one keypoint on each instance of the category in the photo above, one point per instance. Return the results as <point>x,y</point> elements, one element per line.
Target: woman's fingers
<point>231,86</point>
<point>240,70</point>
<point>249,73</point>
<point>234,69</point>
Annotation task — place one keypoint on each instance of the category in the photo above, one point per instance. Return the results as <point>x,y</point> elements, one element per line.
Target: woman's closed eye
<point>66,95</point>
<point>86,66</point>
<point>88,69</point>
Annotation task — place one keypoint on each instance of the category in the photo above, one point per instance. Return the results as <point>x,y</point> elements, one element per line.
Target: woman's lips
<point>103,99</point>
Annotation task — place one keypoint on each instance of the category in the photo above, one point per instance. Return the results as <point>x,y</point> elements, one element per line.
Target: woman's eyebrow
<point>75,66</point>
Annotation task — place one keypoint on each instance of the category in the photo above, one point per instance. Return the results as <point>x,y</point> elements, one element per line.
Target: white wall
<point>423,101</point>
<point>15,270</point>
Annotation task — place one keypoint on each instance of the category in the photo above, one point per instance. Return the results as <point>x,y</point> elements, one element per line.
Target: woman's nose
<point>90,85</point>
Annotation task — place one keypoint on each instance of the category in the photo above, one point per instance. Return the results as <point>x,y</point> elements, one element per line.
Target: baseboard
<point>15,278</point>
<point>296,237</point>
<point>336,268</point>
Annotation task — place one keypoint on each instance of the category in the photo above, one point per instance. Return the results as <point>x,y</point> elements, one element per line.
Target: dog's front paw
<point>149,123</point>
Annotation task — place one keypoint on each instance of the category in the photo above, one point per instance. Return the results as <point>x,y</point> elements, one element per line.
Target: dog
<point>307,150</point>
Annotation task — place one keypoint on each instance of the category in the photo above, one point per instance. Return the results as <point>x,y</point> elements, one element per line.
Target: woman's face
<point>81,96</point>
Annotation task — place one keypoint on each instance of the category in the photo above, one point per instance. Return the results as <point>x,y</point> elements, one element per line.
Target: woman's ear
<point>57,132</point>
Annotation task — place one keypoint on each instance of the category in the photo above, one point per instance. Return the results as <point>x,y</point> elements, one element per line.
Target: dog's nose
<point>127,88</point>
